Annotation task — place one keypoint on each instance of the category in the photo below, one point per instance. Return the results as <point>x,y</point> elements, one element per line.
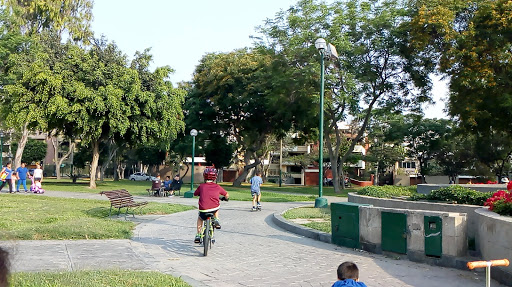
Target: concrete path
<point>250,251</point>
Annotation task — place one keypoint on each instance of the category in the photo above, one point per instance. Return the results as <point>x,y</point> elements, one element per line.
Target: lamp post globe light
<point>326,51</point>
<point>190,193</point>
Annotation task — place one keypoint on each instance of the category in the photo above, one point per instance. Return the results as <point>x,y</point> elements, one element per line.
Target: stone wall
<point>430,206</point>
<point>495,241</point>
<point>454,234</point>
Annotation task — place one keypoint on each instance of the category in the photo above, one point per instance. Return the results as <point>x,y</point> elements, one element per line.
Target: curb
<point>280,221</point>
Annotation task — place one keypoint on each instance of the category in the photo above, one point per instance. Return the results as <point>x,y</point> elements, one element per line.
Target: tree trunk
<point>21,146</point>
<point>94,163</point>
<point>64,157</point>
<point>55,145</point>
<point>247,159</point>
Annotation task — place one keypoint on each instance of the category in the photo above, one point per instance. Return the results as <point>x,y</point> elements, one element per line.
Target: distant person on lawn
<point>176,184</point>
<point>22,172</point>
<point>156,185</point>
<point>38,173</point>
<point>6,177</point>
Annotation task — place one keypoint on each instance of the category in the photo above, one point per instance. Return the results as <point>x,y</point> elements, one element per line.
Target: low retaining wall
<point>453,235</point>
<point>494,240</point>
<point>431,206</point>
<point>305,231</point>
<point>427,188</point>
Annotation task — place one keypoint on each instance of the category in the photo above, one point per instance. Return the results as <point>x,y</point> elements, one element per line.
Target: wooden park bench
<point>122,199</point>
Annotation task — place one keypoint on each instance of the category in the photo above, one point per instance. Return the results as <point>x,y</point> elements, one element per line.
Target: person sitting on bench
<point>176,184</point>
<point>156,185</point>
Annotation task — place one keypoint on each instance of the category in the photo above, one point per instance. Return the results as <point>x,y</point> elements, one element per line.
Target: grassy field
<point>103,278</point>
<point>271,192</point>
<point>36,217</point>
<point>312,213</point>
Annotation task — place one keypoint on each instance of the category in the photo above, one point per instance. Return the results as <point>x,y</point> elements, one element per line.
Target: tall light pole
<point>190,193</point>
<point>326,51</point>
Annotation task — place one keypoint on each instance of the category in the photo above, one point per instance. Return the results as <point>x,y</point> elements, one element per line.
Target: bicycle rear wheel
<point>206,238</point>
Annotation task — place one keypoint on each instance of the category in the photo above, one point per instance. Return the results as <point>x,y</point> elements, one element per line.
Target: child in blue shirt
<point>8,172</point>
<point>256,182</point>
<point>348,275</point>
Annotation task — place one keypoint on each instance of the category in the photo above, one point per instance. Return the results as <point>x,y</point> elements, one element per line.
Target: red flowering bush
<point>500,202</point>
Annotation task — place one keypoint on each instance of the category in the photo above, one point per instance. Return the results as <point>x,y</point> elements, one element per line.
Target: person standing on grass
<point>256,182</point>
<point>22,172</point>
<point>38,173</point>
<point>8,171</point>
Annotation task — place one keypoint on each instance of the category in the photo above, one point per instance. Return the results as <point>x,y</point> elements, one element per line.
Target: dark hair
<point>168,177</point>
<point>348,270</point>
<point>4,268</point>
<point>258,173</point>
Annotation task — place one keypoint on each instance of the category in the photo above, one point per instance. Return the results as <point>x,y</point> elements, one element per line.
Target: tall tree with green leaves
<point>470,41</point>
<point>246,95</point>
<point>373,70</point>
<point>105,99</point>
<point>39,27</point>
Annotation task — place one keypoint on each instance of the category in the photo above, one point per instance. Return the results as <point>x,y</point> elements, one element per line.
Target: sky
<point>180,33</point>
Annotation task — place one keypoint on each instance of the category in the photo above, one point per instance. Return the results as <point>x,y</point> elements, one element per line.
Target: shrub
<point>387,191</point>
<point>500,202</point>
<point>456,194</point>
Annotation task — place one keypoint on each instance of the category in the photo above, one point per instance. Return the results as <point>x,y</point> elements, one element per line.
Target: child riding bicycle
<point>209,201</point>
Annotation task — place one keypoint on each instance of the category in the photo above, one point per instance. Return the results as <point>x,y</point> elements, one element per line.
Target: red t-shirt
<point>209,193</point>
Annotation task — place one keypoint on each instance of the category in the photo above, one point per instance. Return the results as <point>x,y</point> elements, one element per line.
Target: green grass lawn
<point>104,278</point>
<point>271,192</point>
<point>36,217</point>
<point>312,213</point>
<point>296,189</point>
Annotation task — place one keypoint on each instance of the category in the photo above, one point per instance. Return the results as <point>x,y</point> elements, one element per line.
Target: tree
<point>35,151</point>
<point>244,95</point>
<point>423,138</point>
<point>469,41</point>
<point>105,100</point>
<point>373,71</point>
<point>33,29</point>
<point>219,152</point>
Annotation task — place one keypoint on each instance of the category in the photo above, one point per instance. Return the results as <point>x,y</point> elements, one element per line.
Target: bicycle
<point>207,235</point>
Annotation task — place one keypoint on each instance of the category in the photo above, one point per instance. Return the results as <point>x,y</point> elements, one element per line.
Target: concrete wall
<point>454,232</point>
<point>494,240</point>
<point>430,206</point>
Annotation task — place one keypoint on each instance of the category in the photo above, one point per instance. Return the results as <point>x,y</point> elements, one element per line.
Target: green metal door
<point>433,236</point>
<point>394,232</point>
<point>345,224</point>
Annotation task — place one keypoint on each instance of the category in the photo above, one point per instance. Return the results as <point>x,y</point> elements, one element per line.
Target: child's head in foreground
<point>348,270</point>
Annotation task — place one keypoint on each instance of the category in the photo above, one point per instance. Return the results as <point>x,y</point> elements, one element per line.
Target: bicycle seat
<point>209,214</point>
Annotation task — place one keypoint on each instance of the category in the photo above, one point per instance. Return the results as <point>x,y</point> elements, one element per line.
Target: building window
<point>408,164</point>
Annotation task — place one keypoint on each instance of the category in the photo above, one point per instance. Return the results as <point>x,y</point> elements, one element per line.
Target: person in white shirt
<point>38,173</point>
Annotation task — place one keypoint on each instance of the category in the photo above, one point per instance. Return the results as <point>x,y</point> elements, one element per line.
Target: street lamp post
<point>190,193</point>
<point>326,51</point>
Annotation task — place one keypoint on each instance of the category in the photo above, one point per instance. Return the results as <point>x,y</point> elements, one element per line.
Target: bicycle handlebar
<point>482,264</point>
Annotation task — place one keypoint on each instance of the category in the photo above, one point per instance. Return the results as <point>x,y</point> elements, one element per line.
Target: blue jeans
<point>24,181</point>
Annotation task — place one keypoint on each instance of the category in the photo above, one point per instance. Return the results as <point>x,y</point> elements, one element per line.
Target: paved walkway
<point>250,251</point>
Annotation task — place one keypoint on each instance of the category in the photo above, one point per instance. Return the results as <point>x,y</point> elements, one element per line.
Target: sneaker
<point>253,208</point>
<point>216,223</point>
<point>198,238</point>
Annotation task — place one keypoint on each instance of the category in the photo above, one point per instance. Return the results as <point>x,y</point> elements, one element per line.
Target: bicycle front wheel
<point>206,238</point>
